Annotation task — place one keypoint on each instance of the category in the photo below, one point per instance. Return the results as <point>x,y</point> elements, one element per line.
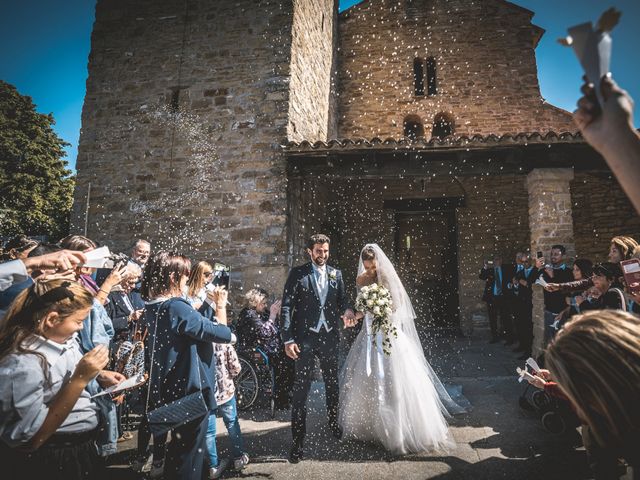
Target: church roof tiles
<point>451,142</point>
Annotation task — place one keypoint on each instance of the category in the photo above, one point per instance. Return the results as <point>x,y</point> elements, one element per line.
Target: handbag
<point>179,412</point>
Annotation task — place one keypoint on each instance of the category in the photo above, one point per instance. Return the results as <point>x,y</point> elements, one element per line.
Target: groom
<point>314,297</point>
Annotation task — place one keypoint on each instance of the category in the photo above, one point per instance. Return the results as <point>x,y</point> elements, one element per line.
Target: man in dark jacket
<point>497,295</point>
<point>314,300</point>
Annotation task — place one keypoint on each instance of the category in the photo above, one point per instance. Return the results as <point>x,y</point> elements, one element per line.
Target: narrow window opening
<point>418,77</point>
<point>432,82</point>
<point>174,105</point>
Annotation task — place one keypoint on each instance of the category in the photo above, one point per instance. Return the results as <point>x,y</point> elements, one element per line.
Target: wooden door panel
<point>427,263</point>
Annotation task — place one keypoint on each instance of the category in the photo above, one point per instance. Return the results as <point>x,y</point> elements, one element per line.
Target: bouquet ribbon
<point>368,322</point>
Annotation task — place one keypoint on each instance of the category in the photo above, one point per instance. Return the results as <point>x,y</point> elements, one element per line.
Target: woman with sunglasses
<point>200,276</point>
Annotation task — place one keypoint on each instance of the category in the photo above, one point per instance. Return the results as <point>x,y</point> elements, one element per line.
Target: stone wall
<point>186,108</point>
<point>486,69</point>
<point>312,60</point>
<point>601,211</point>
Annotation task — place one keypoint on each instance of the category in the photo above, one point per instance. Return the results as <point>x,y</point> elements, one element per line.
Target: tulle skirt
<point>392,399</point>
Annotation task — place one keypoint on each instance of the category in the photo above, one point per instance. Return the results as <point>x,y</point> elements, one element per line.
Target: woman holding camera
<point>182,360</point>
<point>199,277</point>
<point>84,274</point>
<point>606,279</point>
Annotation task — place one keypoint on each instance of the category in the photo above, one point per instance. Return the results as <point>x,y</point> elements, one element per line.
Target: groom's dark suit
<point>307,294</point>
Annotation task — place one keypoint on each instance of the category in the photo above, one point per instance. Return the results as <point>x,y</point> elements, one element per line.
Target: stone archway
<point>443,125</point>
<point>413,127</point>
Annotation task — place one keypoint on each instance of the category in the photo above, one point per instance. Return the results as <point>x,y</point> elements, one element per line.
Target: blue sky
<point>44,47</point>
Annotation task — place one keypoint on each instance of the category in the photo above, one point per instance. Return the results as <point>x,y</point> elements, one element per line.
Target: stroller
<point>555,412</point>
<point>556,415</point>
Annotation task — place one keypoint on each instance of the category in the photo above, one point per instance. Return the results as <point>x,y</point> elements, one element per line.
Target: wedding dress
<point>396,400</point>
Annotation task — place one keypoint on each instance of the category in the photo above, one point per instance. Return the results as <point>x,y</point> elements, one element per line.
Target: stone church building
<point>231,130</point>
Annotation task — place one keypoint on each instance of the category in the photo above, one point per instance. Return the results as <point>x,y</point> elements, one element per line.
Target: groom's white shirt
<point>320,278</point>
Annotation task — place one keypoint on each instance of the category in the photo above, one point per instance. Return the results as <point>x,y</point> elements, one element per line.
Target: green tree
<point>36,188</point>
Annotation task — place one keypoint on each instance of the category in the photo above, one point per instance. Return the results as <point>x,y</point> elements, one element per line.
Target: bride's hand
<point>349,319</point>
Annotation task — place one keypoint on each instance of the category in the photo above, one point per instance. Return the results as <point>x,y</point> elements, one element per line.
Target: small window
<point>413,127</point>
<point>443,125</point>
<point>418,77</point>
<point>432,82</point>
<point>175,100</point>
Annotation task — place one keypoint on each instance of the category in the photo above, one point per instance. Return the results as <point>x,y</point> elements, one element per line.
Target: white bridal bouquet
<point>376,300</point>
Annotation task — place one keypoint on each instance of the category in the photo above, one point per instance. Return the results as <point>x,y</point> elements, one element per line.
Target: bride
<point>395,399</point>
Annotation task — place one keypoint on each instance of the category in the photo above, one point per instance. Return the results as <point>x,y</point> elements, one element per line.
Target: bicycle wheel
<point>247,385</point>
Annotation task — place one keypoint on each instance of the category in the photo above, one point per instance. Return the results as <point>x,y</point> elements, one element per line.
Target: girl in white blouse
<point>48,420</point>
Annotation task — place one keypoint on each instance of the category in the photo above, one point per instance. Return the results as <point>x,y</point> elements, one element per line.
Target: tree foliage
<point>36,188</point>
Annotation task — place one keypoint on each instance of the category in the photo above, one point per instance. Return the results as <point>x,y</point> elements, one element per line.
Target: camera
<point>539,255</point>
<point>116,261</point>
<point>221,276</point>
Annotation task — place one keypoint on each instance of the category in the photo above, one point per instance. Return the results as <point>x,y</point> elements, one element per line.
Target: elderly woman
<point>258,328</point>
<point>121,307</point>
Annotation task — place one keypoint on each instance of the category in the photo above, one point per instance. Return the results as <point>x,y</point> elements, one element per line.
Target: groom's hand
<point>292,350</point>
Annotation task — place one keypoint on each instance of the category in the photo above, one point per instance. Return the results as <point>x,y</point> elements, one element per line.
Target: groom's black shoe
<point>295,455</point>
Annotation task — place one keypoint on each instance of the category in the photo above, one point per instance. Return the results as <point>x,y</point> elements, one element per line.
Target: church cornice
<point>451,142</point>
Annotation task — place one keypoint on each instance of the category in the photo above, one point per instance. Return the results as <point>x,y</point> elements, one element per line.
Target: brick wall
<point>601,211</point>
<point>486,68</point>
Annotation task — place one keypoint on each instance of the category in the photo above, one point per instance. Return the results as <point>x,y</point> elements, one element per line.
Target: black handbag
<point>179,412</point>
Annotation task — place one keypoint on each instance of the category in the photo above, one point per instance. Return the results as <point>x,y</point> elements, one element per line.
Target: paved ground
<point>496,440</point>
